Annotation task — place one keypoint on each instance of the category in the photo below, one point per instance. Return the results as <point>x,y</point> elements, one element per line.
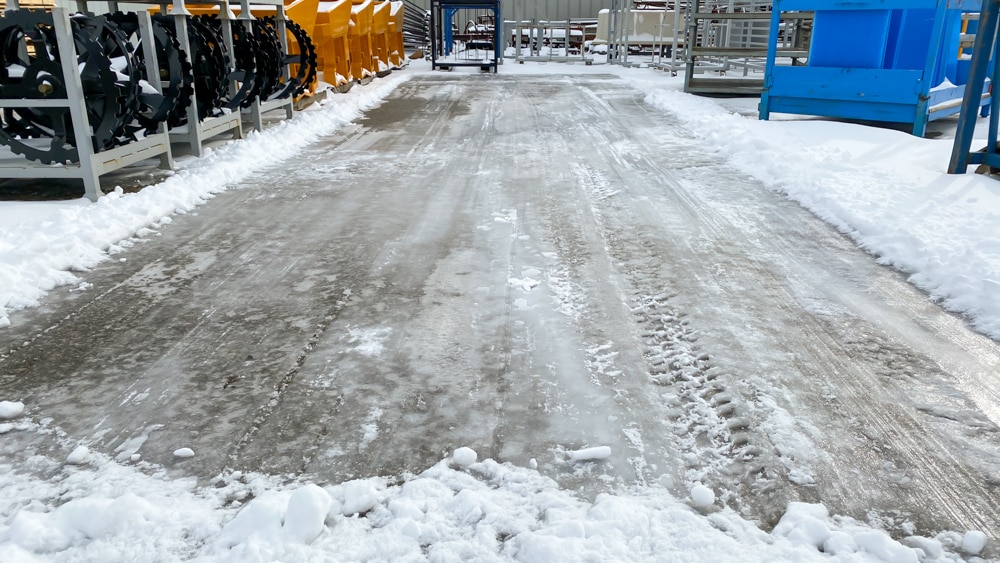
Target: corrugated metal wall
<point>546,9</point>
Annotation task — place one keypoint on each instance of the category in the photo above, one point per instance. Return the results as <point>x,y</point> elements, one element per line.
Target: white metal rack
<point>260,107</point>
<point>92,164</point>
<point>195,132</point>
<point>217,125</point>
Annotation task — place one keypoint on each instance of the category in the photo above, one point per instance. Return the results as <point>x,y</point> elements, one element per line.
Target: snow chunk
<point>260,519</point>
<point>525,285</point>
<point>184,452</point>
<point>973,542</point>
<point>805,524</point>
<point>35,532</point>
<point>11,409</point>
<point>306,515</point>
<point>359,497</point>
<point>590,454</point>
<point>464,457</point>
<point>79,456</point>
<point>702,496</point>
<point>879,544</point>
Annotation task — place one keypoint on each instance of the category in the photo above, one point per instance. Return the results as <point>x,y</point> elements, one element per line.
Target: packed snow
<point>885,189</point>
<point>11,409</point>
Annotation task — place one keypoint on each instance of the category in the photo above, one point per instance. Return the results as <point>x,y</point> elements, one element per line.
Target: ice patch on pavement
<point>42,244</point>
<point>369,430</point>
<point>370,341</point>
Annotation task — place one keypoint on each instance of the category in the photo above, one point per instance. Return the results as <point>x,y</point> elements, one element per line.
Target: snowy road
<point>526,266</point>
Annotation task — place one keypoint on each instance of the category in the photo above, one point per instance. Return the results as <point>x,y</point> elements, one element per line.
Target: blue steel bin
<point>875,60</point>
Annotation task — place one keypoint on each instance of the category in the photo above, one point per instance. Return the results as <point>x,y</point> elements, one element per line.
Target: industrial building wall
<point>545,9</point>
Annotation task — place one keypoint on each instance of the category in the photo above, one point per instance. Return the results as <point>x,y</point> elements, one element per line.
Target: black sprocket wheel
<point>301,58</point>
<point>175,74</point>
<point>32,69</point>
<point>244,71</point>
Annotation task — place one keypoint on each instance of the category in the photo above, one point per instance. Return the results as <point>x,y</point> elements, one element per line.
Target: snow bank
<point>484,511</point>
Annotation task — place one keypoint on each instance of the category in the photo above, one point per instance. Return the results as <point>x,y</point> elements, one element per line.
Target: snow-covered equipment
<point>33,70</point>
<point>333,45</point>
<point>363,62</point>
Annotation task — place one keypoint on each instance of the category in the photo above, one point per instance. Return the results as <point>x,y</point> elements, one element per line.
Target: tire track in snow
<point>714,439</point>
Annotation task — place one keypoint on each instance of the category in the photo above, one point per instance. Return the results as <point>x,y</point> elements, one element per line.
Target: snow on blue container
<point>878,60</point>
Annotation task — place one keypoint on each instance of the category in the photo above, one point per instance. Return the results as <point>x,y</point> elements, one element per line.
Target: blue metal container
<point>878,60</point>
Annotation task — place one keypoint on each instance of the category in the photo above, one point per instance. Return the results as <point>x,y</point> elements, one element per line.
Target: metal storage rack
<point>733,36</point>
<point>92,163</point>
<point>195,132</point>
<point>220,124</point>
<point>260,107</point>
<point>442,14</point>
<point>217,125</point>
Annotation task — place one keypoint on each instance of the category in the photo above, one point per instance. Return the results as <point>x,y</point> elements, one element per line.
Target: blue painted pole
<point>937,32</point>
<point>772,52</point>
<point>449,38</point>
<point>983,51</point>
<point>498,46</point>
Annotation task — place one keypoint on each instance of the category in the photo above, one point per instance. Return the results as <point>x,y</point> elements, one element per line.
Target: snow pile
<point>886,189</point>
<point>42,245</point>
<point>459,509</point>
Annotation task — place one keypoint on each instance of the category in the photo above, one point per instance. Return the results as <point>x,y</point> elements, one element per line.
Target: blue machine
<point>982,65</point>
<point>878,60</point>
